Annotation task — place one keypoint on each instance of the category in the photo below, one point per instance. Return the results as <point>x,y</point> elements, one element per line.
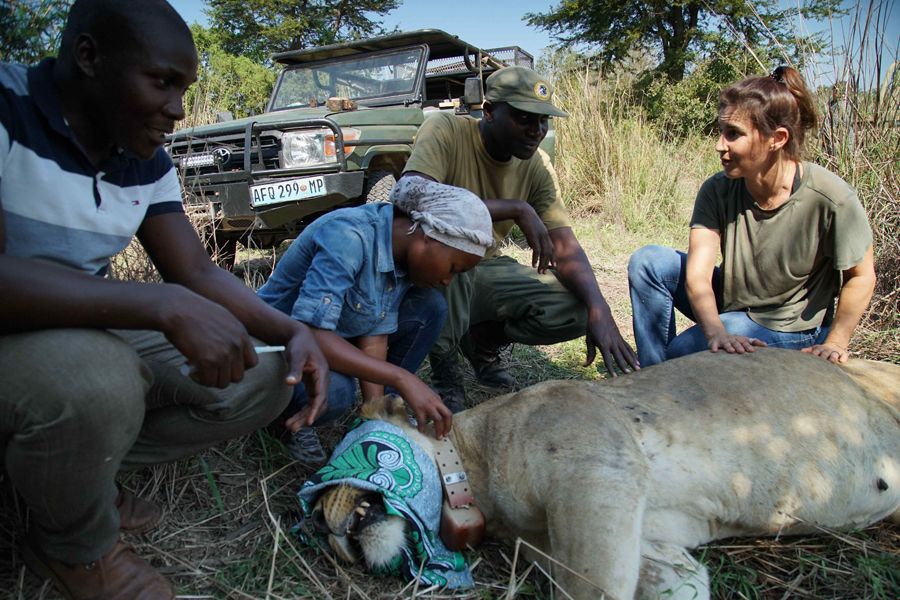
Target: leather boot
<point>118,575</point>
<point>135,514</point>
<point>482,346</point>
<point>447,381</point>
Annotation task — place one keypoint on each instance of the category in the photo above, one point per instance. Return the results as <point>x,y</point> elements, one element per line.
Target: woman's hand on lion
<point>829,351</point>
<point>426,405</point>
<point>733,344</point>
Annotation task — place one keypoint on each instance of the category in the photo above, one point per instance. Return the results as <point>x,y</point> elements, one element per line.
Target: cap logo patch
<point>542,90</point>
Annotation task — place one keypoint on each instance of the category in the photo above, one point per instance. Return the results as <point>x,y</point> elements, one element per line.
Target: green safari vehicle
<point>337,132</point>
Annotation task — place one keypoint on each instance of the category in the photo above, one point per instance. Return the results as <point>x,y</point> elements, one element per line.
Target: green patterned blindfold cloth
<point>379,457</point>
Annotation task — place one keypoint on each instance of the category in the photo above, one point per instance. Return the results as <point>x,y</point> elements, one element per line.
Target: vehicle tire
<point>378,186</point>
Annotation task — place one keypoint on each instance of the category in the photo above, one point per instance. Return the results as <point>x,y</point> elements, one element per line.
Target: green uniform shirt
<point>449,149</point>
<point>783,266</point>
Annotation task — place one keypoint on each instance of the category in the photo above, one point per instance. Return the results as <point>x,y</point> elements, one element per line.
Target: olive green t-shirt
<point>449,149</point>
<point>783,266</point>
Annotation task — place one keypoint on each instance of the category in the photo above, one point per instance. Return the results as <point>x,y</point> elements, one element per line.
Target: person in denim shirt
<point>362,278</point>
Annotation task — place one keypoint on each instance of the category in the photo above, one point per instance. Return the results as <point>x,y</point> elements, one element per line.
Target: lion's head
<point>380,498</point>
<point>355,522</point>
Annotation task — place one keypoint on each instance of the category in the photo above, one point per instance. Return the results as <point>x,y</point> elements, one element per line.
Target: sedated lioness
<point>618,479</point>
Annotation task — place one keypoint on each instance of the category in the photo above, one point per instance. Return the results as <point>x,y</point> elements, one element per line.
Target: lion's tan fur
<point>617,479</point>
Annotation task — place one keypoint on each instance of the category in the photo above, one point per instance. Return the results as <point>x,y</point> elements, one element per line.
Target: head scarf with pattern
<point>451,215</point>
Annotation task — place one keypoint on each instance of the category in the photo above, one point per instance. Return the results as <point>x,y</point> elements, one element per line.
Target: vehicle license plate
<point>289,190</point>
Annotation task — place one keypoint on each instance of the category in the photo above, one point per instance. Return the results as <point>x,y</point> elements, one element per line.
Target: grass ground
<point>229,511</point>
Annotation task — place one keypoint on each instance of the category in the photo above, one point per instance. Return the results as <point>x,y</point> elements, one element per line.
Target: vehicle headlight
<point>304,148</point>
<point>311,147</point>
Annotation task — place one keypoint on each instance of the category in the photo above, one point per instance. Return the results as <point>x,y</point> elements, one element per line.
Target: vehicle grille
<point>199,156</point>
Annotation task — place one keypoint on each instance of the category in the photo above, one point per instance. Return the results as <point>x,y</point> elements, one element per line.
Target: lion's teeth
<point>360,511</point>
<point>365,504</point>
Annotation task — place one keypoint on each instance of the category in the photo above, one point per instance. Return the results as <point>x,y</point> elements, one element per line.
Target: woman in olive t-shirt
<point>792,235</point>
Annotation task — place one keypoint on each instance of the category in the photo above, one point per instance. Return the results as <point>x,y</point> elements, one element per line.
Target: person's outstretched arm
<point>853,299</point>
<point>703,249</point>
<point>346,358</point>
<point>220,352</point>
<point>375,346</point>
<point>575,272</point>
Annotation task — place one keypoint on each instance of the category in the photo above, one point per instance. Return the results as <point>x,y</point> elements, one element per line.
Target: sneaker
<point>483,346</point>
<point>306,447</point>
<point>447,381</point>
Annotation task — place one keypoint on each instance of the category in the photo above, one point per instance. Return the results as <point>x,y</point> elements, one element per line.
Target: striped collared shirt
<point>56,204</point>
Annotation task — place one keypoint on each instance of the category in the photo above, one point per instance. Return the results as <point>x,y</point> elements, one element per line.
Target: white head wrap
<point>451,215</point>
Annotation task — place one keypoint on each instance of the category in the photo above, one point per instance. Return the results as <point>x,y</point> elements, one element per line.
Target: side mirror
<point>224,115</point>
<point>473,94</point>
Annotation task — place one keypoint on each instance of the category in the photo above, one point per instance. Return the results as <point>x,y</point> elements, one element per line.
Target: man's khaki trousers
<point>79,405</point>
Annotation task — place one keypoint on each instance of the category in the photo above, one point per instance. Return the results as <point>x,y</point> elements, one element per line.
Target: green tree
<point>225,82</point>
<point>679,31</point>
<point>30,29</point>
<point>258,28</point>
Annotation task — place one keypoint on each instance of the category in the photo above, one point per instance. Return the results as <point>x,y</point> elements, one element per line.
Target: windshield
<point>358,78</point>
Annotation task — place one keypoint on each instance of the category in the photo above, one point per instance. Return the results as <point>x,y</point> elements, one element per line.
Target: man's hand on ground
<point>604,334</point>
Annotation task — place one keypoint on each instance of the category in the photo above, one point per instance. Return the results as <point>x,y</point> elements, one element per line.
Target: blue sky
<point>484,23</point>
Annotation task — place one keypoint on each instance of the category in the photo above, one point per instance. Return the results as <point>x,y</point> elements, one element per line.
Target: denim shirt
<point>340,275</point>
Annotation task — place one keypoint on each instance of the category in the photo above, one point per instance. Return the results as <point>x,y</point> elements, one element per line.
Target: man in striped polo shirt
<point>91,368</point>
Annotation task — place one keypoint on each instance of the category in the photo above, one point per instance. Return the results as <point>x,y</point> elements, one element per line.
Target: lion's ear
<point>383,407</point>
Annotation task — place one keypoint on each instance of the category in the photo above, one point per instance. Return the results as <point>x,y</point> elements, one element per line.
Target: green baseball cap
<point>523,89</point>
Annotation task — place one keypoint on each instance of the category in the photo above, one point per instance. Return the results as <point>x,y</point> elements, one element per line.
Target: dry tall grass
<point>860,141</point>
<point>613,164</point>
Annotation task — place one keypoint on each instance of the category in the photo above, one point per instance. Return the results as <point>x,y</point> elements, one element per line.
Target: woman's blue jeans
<point>656,281</point>
<point>421,317</point>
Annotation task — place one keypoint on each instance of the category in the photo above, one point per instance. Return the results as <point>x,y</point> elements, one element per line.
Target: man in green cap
<point>501,301</point>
